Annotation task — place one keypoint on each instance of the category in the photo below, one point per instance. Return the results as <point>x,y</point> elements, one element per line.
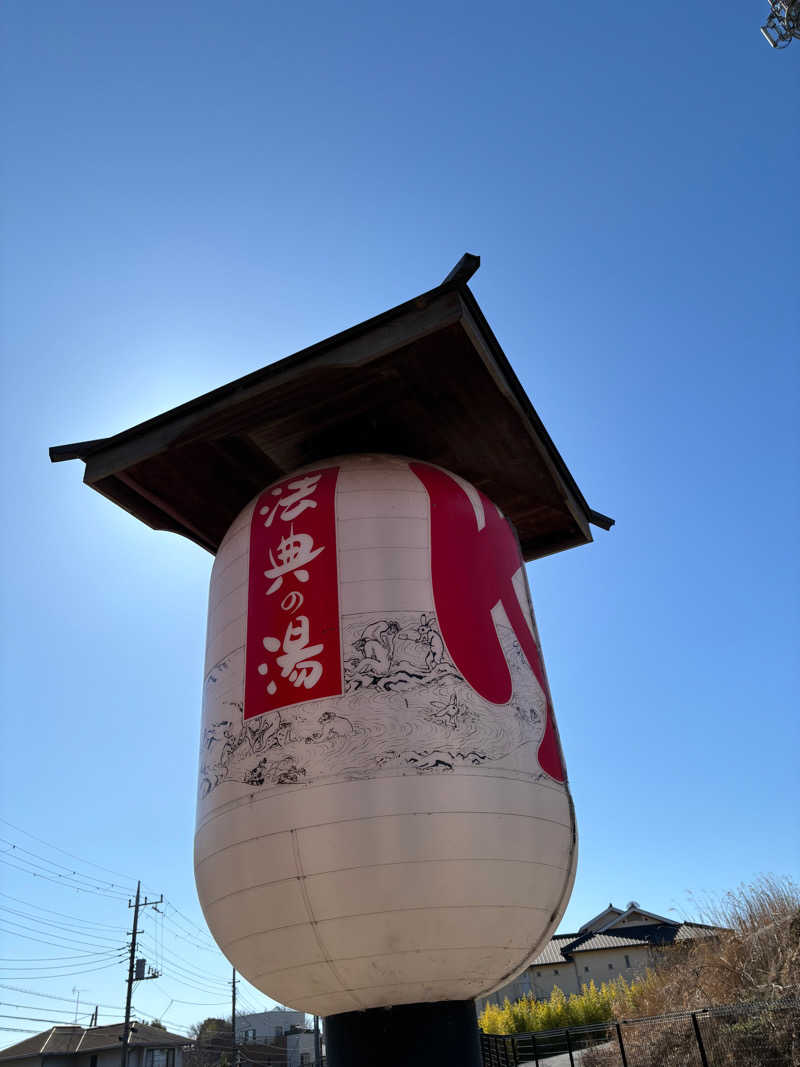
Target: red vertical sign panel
<point>293,651</point>
<point>473,568</point>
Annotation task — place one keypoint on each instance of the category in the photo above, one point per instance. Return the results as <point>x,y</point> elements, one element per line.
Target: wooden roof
<point>426,379</point>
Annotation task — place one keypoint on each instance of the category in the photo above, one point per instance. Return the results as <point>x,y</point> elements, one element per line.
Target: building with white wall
<point>617,942</point>
<point>262,1027</point>
<point>300,1050</point>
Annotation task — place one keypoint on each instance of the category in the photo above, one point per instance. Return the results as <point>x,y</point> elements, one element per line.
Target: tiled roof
<point>563,946</point>
<point>59,1040</point>
<point>552,952</point>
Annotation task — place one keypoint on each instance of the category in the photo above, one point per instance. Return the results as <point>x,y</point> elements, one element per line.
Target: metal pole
<point>234,1047</point>
<point>703,1057</point>
<point>317,1043</point>
<point>621,1047</point>
<point>127,1023</point>
<point>535,1050</point>
<point>569,1049</point>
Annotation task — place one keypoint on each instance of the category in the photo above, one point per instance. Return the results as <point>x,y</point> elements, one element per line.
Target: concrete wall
<point>600,965</point>
<point>545,979</point>
<point>538,981</point>
<point>607,964</point>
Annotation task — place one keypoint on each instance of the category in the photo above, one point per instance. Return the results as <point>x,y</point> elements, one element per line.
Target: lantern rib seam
<point>385,815</point>
<point>395,952</point>
<point>385,911</point>
<point>387,863</point>
<point>313,922</point>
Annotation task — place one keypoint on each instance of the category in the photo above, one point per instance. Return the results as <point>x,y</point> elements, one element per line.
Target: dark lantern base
<point>444,1034</point>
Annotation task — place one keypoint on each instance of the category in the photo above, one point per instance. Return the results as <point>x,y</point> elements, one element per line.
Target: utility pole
<point>317,1048</point>
<point>234,1044</point>
<point>135,967</point>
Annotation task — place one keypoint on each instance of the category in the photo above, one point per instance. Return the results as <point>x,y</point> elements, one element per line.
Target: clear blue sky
<point>192,190</point>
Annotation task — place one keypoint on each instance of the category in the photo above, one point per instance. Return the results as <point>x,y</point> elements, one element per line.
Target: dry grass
<point>754,960</point>
<point>755,957</point>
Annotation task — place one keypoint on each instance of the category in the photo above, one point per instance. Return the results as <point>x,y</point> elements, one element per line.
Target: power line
<point>67,974</point>
<point>109,888</point>
<point>62,880</point>
<point>188,976</point>
<point>199,929</point>
<point>65,853</point>
<point>36,1019</point>
<point>53,996</point>
<point>176,956</point>
<point>61,914</point>
<point>51,959</point>
<point>70,942</point>
<point>38,1007</point>
<point>104,938</point>
<point>46,859</point>
<point>195,1003</point>
<point>52,966</point>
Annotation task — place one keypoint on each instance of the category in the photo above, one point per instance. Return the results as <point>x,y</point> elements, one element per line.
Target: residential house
<point>97,1046</point>
<point>617,942</point>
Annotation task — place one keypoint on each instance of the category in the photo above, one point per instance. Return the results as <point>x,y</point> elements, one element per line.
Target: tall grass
<point>753,956</point>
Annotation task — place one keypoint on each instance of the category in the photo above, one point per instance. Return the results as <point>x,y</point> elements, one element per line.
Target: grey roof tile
<point>561,947</point>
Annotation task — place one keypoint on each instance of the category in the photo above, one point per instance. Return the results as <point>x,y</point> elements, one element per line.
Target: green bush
<point>591,1005</point>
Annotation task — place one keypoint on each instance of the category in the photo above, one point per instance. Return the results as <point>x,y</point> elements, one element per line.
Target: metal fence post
<point>569,1049</point>
<point>621,1047</point>
<point>703,1057</point>
<point>535,1050</point>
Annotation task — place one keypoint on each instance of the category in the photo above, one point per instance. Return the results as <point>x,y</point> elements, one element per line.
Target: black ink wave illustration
<point>406,709</point>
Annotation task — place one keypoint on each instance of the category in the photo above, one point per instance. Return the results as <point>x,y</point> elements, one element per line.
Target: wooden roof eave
<point>111,462</point>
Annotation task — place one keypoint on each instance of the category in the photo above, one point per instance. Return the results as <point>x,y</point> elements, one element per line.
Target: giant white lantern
<point>383,815</point>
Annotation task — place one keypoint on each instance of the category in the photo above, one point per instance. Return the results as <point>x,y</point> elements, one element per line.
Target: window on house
<point>586,968</point>
<point>555,970</point>
<point>249,1035</point>
<point>279,1031</point>
<point>538,974</point>
<point>611,966</point>
<point>627,961</point>
<point>159,1057</point>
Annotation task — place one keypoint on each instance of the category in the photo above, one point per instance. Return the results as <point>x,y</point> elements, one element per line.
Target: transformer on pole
<point>783,23</point>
